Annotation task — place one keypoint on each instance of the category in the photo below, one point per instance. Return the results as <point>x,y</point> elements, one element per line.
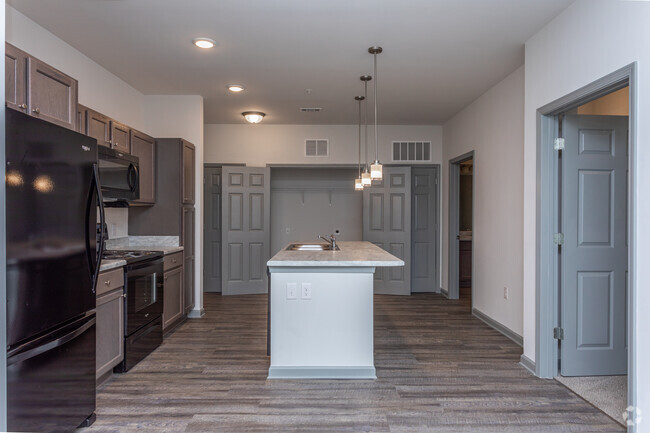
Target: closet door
<point>246,230</point>
<point>387,224</point>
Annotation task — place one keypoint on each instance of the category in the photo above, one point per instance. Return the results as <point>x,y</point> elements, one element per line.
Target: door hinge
<point>558,334</point>
<point>558,144</point>
<point>558,238</point>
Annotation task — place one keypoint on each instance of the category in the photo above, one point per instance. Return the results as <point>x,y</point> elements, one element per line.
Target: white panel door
<point>246,229</point>
<point>387,224</point>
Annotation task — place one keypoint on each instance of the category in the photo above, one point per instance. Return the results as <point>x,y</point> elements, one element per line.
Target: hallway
<point>439,370</point>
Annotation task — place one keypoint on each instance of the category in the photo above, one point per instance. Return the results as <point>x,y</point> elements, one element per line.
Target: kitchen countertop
<point>107,265</point>
<point>164,249</point>
<point>351,254</point>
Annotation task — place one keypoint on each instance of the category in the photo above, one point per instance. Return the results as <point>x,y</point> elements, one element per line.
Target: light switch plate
<point>306,291</point>
<point>292,291</point>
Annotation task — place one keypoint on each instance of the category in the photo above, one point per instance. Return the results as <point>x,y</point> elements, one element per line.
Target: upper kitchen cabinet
<point>52,95</point>
<point>144,147</point>
<point>98,127</point>
<point>120,137</point>
<point>188,172</point>
<point>15,78</point>
<point>38,89</point>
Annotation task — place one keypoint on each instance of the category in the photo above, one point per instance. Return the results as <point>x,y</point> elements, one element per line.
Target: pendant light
<point>376,167</point>
<point>358,184</point>
<point>365,176</point>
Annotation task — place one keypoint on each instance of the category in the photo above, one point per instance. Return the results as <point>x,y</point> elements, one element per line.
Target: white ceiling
<point>439,55</point>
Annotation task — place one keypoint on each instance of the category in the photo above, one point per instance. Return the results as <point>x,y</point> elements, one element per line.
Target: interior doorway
<point>461,230</point>
<point>586,235</point>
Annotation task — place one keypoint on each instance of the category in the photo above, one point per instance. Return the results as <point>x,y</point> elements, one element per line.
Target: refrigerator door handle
<point>96,263</point>
<point>52,344</point>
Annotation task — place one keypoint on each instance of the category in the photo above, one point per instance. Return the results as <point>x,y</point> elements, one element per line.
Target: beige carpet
<point>607,393</point>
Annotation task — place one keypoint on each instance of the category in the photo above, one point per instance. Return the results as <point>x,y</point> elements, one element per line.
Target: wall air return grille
<point>411,151</point>
<point>310,109</point>
<point>316,147</point>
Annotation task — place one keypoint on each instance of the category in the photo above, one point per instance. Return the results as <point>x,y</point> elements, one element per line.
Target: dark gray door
<point>245,229</point>
<point>212,229</point>
<point>387,223</point>
<point>424,229</point>
<point>594,253</point>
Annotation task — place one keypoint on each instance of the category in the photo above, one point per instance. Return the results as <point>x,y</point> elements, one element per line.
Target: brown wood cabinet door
<point>144,147</point>
<point>110,331</point>
<point>188,172</point>
<point>52,95</point>
<point>187,221</point>
<point>15,78</point>
<point>173,296</point>
<point>81,118</point>
<point>465,264</point>
<point>120,137</point>
<point>98,127</point>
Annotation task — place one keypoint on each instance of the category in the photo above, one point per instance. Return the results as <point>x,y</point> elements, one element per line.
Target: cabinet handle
<point>23,106</point>
<point>36,110</point>
<point>173,260</point>
<point>107,282</point>
<point>124,295</point>
<point>166,278</point>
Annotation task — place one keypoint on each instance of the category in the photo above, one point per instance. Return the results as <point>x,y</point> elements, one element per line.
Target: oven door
<point>118,175</point>
<point>144,294</point>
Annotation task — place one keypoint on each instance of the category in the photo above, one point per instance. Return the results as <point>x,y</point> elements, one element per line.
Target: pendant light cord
<point>366,165</point>
<point>375,84</point>
<point>359,138</point>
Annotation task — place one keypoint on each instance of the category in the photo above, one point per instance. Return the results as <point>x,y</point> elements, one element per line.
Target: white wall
<point>493,127</point>
<point>589,40</point>
<point>258,145</point>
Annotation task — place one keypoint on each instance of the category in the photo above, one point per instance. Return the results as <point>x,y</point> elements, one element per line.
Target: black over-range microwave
<point>119,175</point>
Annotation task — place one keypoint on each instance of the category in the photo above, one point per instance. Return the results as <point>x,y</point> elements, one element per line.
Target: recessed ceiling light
<point>236,88</point>
<point>204,42</point>
<point>253,116</point>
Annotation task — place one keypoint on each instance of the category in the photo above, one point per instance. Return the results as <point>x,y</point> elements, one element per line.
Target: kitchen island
<point>321,311</point>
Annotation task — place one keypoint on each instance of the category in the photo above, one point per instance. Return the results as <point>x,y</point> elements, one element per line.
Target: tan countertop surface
<point>351,254</point>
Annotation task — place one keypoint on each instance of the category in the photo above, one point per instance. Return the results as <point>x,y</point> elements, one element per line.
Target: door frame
<point>453,290</point>
<point>547,212</point>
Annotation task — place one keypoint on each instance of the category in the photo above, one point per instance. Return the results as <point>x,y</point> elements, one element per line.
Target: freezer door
<point>51,386</point>
<point>51,224</point>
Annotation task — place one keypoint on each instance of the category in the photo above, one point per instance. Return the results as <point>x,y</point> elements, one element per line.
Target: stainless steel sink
<point>311,247</point>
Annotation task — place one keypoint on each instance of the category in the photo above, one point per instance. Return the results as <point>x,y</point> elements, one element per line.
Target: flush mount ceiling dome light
<point>253,116</point>
<point>204,42</point>
<point>236,88</point>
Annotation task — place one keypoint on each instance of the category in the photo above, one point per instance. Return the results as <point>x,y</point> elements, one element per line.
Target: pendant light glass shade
<point>366,180</point>
<point>376,171</point>
<point>358,185</point>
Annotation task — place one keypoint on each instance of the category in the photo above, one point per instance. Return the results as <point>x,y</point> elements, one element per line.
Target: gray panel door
<point>212,229</point>
<point>245,229</point>
<point>387,223</point>
<point>594,253</point>
<point>424,229</point>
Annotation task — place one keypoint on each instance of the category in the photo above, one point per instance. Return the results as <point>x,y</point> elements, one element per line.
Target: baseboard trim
<point>499,327</point>
<point>528,364</point>
<point>196,314</point>
<point>322,373</point>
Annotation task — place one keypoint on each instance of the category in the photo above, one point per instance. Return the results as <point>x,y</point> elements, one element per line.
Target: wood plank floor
<point>439,370</point>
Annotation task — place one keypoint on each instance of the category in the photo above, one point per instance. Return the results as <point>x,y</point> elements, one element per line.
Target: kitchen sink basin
<point>311,247</point>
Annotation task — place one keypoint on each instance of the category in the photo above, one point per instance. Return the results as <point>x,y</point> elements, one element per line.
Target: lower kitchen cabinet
<point>173,296</point>
<point>465,263</point>
<point>110,330</point>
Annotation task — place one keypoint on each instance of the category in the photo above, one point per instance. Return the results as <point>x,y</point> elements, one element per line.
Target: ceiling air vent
<point>311,110</point>
<point>411,151</point>
<point>316,147</point>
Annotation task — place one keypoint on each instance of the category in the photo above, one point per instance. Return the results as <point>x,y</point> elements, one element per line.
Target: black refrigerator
<point>53,259</point>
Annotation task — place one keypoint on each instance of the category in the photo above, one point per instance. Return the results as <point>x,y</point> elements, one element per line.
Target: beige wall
<point>258,145</point>
<point>493,127</point>
<point>614,104</point>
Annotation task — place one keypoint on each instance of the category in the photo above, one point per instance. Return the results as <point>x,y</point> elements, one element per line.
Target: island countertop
<point>351,254</point>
